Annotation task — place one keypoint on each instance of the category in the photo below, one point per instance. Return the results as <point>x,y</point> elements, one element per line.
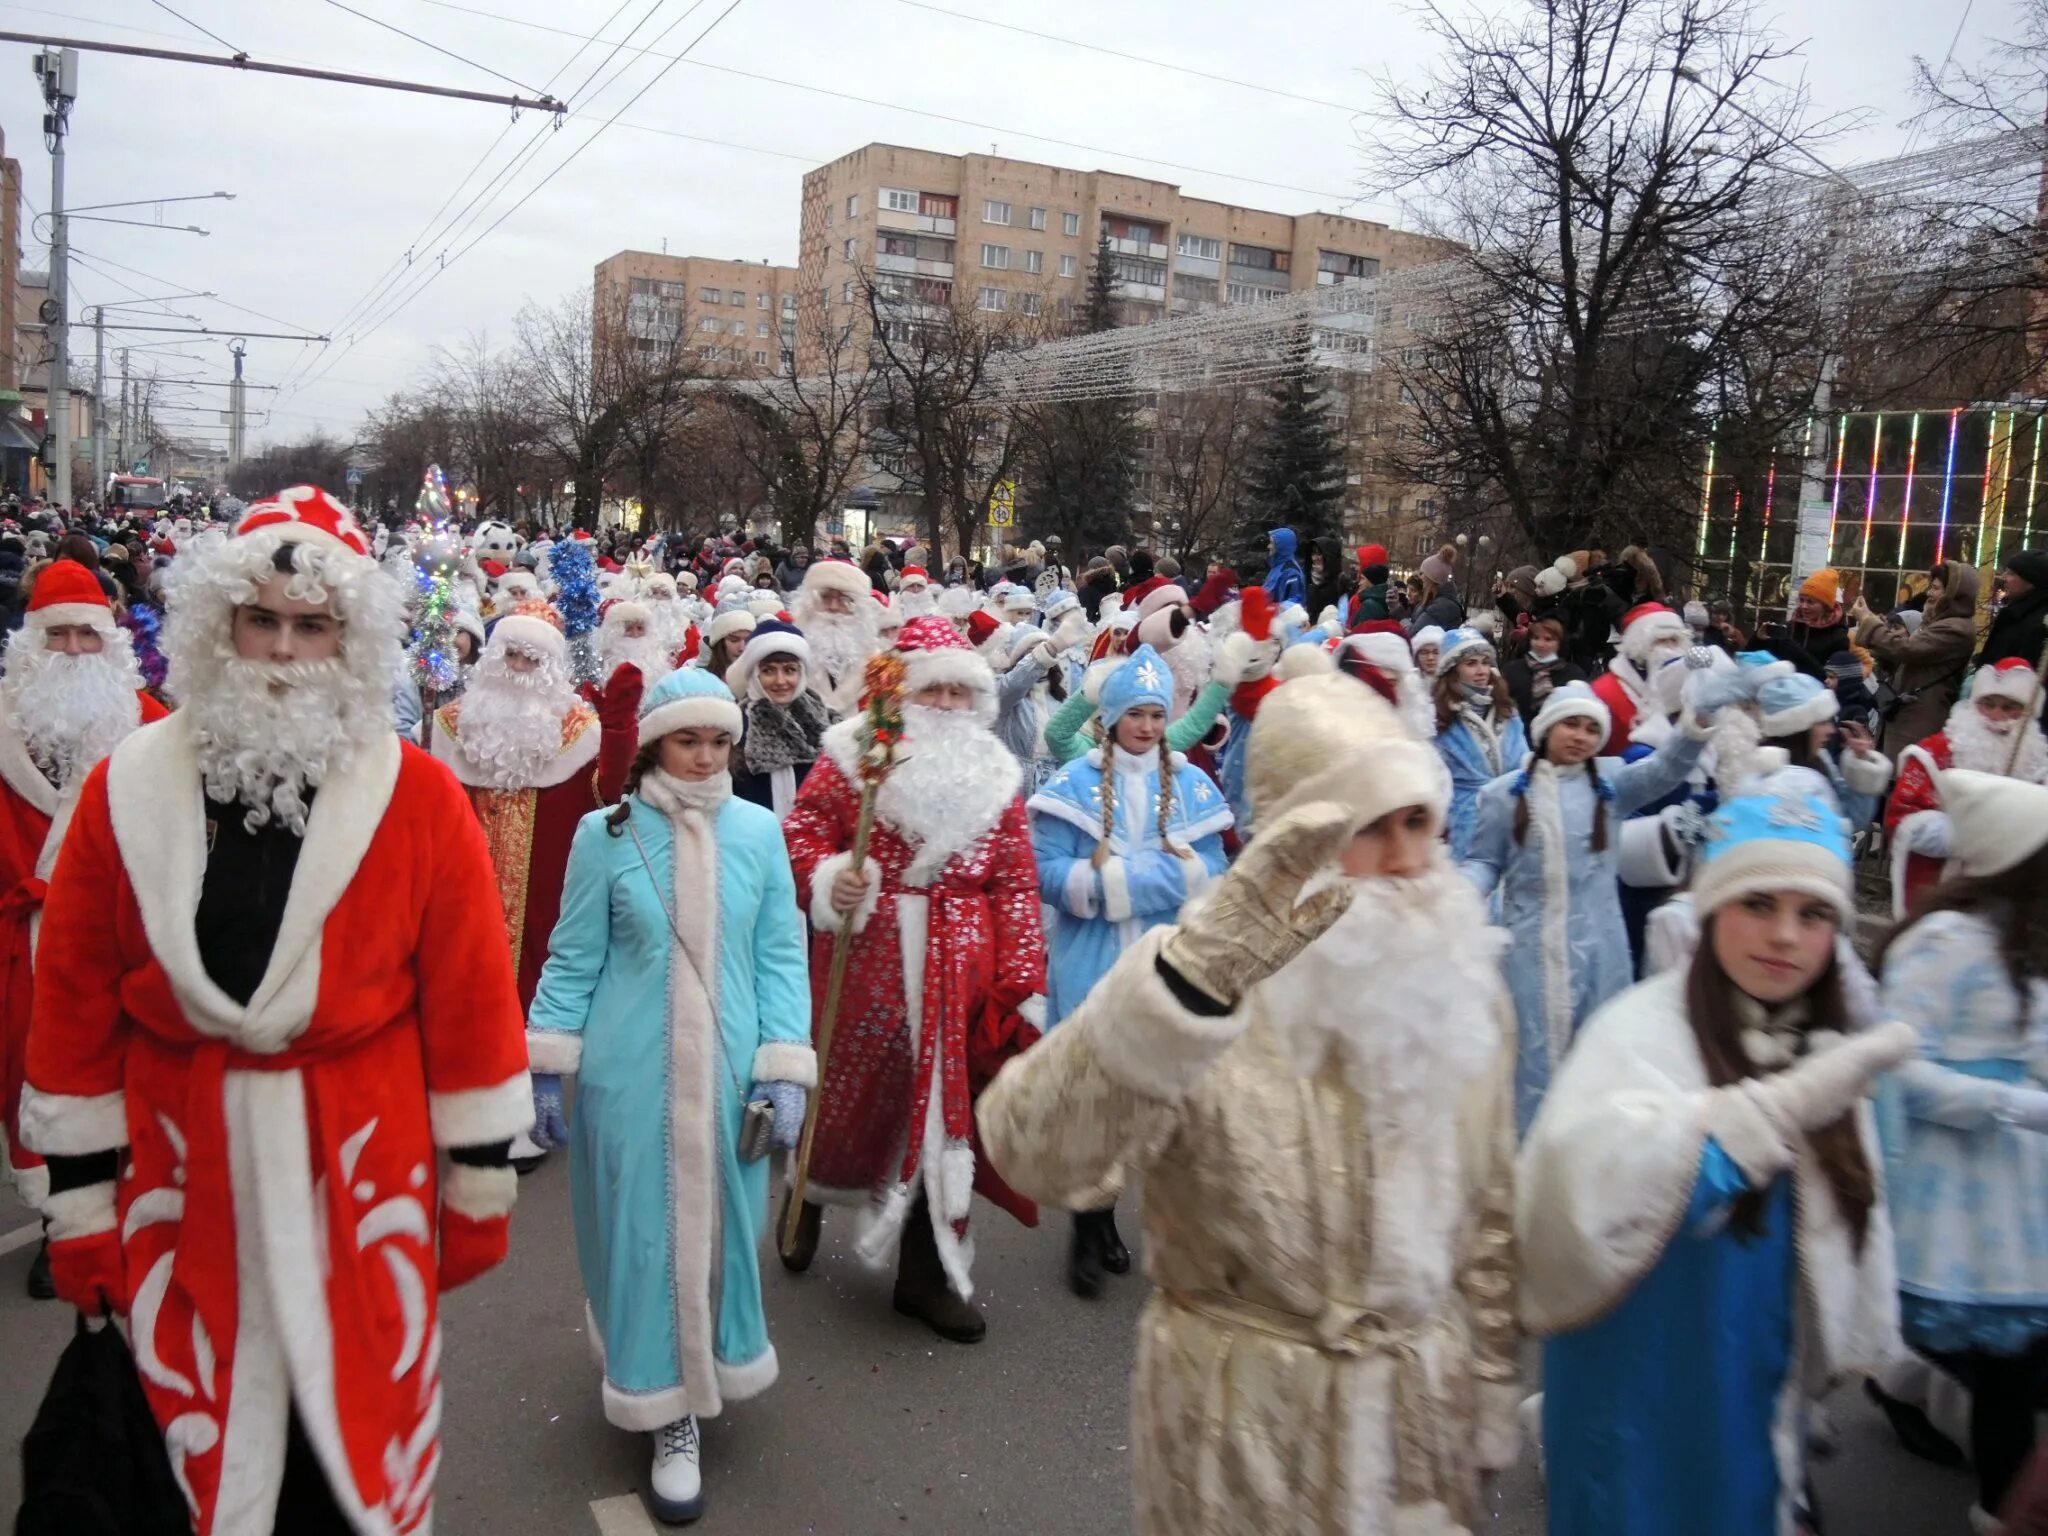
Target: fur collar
<point>18,771</point>
<point>1630,677</point>
<point>581,739</point>
<point>159,816</point>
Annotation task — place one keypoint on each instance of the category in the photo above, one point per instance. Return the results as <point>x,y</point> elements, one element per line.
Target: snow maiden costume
<point>1700,1254</point>
<point>1478,746</point>
<point>1320,1114</point>
<point>667,1047</point>
<point>781,741</point>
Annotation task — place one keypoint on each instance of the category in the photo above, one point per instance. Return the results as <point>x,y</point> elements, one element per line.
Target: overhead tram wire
<point>231,48</point>
<point>446,53</point>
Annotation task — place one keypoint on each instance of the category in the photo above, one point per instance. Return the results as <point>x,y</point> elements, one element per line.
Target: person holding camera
<point>1818,628</point>
<point>1925,668</point>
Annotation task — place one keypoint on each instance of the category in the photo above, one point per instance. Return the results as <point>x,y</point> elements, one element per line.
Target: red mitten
<point>90,1272</point>
<point>476,1221</point>
<point>619,702</point>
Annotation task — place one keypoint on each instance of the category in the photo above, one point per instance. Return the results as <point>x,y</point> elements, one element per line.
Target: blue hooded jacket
<point>1285,579</point>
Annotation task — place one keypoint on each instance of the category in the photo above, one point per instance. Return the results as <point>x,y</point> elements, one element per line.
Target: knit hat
<point>1781,832</point>
<point>933,651</point>
<point>1441,567</point>
<point>1787,706</point>
<point>1328,738</point>
<point>1697,617</point>
<point>1644,625</point>
<point>1849,664</point>
<point>731,621</point>
<point>2011,678</point>
<point>1570,701</point>
<point>771,637</point>
<point>1457,645</point>
<point>1994,823</point>
<point>2031,566</point>
<point>1429,634</point>
<point>1824,586</point>
<point>1373,557</point>
<point>1143,678</point>
<point>838,576</point>
<point>67,593</point>
<point>687,696</point>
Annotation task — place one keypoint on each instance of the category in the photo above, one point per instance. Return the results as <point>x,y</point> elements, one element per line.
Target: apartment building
<point>738,314</point>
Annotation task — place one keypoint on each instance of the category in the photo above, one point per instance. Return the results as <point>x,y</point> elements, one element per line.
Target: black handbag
<point>93,1462</point>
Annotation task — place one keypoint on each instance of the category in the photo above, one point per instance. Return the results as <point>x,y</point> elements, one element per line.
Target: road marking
<point>21,1237</point>
<point>623,1515</point>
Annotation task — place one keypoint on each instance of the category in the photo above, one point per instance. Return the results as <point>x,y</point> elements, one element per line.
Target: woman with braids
<point>676,1013</point>
<point>785,719</point>
<point>1124,836</point>
<point>1964,1125</point>
<point>1548,839</point>
<point>1698,1210</point>
<point>1479,735</point>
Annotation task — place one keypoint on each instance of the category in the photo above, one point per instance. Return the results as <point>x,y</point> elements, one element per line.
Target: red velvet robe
<point>529,830</point>
<point>280,1211</point>
<point>30,806</point>
<point>896,1105</point>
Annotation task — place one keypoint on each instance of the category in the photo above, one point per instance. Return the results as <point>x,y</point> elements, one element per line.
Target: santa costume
<point>947,964</point>
<point>1913,819</point>
<point>61,711</point>
<point>273,988</point>
<point>1650,635</point>
<point>841,629</point>
<point>628,636</point>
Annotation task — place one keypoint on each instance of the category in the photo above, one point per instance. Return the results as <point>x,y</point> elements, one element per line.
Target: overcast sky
<point>335,183</point>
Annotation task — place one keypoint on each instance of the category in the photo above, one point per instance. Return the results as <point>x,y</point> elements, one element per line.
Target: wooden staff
<point>2027,722</point>
<point>884,685</point>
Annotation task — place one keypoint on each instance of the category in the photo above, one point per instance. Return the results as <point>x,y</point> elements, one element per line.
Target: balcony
<point>916,265</point>
<point>1145,293</point>
<point>1198,266</point>
<point>1150,248</point>
<point>931,224</point>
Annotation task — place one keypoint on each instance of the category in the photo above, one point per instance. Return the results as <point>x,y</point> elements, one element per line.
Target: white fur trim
<point>19,772</point>
<point>1499,1441</point>
<point>1305,659</point>
<point>1116,890</point>
<point>680,714</point>
<point>1918,833</point>
<point>737,1383</point>
<point>557,1052</point>
<point>1546,822</point>
<point>785,1061</point>
<point>1748,1134</point>
<point>1765,865</point>
<point>85,1211</point>
<point>481,1194</point>
<point>1158,1048</point>
<point>98,615</point>
<point>68,1125</point>
<point>838,575</point>
<point>1645,856</point>
<point>1194,873</point>
<point>1867,773</point>
<point>626,611</point>
<point>1077,891</point>
<point>530,634</point>
<point>1098,674</point>
<point>158,813</point>
<point>1801,717</point>
<point>922,669</point>
<point>735,621</point>
<point>824,917</point>
<point>1032,1010</point>
<point>478,1117</point>
<point>31,1183</point>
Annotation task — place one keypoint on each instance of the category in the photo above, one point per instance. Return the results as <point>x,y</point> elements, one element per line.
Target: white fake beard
<point>71,711</point>
<point>671,622</point>
<point>647,653</point>
<point>1190,660</point>
<point>840,643</point>
<point>949,788</point>
<point>510,727</point>
<point>916,602</point>
<point>1976,744</point>
<point>264,746</point>
<point>1416,709</point>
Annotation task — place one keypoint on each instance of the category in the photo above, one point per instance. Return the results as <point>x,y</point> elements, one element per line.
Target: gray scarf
<point>781,737</point>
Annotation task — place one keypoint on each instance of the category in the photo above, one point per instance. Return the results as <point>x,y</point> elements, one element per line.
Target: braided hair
<point>1602,793</point>
<point>644,763</point>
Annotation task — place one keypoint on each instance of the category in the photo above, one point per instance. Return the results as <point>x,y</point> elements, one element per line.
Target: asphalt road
<point>875,1427</point>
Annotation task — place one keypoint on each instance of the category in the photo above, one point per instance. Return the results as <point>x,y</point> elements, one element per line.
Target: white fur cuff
<point>1078,889</point>
<point>557,1052</point>
<point>83,1212</point>
<point>824,917</point>
<point>1924,832</point>
<point>785,1061</point>
<point>1747,1132</point>
<point>1499,1443</point>
<point>479,1117</point>
<point>1867,773</point>
<point>481,1194</point>
<point>1116,890</point>
<point>1143,1037</point>
<point>68,1125</point>
<point>1032,1010</point>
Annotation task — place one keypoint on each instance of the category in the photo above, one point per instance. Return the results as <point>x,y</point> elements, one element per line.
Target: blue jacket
<point>1285,579</point>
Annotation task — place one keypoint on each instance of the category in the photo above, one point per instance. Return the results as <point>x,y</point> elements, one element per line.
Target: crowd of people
<point>1425,981</point>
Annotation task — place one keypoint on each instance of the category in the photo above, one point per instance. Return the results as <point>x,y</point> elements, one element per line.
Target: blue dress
<point>1098,913</point>
<point>668,1219</point>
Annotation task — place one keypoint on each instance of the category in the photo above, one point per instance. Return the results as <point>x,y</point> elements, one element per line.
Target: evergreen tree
<point>1098,310</point>
<point>1298,470</point>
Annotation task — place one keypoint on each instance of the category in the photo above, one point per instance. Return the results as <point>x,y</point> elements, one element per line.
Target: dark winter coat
<point>1807,646</point>
<point>1522,676</point>
<point>2017,630</point>
<point>1095,586</point>
<point>1444,610</point>
<point>1338,574</point>
<point>1591,613</point>
<point>1370,604</point>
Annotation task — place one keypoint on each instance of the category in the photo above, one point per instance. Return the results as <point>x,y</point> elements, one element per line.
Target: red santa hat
<point>306,514</point>
<point>2011,678</point>
<point>1380,643</point>
<point>933,651</point>
<point>915,573</point>
<point>982,627</point>
<point>1646,624</point>
<point>67,593</point>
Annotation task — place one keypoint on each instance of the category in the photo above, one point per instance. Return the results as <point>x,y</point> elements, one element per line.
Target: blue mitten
<point>550,1124</point>
<point>1711,695</point>
<point>790,1101</point>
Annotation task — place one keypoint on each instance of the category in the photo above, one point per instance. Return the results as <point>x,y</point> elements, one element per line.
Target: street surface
<point>876,1427</point>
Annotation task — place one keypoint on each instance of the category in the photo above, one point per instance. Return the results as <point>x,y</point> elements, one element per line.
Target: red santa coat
<point>1913,874</point>
<point>528,831</point>
<point>33,817</point>
<point>279,1209</point>
<point>940,957</point>
<point>1620,688</point>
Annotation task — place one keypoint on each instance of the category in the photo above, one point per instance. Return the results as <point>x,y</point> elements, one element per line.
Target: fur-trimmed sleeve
<point>1487,1270</point>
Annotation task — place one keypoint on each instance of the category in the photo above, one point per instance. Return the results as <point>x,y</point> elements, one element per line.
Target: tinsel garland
<point>575,574</point>
<point>431,653</point>
<point>145,627</point>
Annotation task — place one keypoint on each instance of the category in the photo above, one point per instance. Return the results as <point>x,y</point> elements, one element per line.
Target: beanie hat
<point>1143,678</point>
<point>1781,832</point>
<point>1646,624</point>
<point>771,637</point>
<point>2011,678</point>
<point>1373,557</point>
<point>1457,645</point>
<point>1787,706</point>
<point>1696,615</point>
<point>2031,566</point>
<point>1849,664</point>
<point>1441,567</point>
<point>466,620</point>
<point>933,651</point>
<point>67,593</point>
<point>1571,701</point>
<point>1429,634</point>
<point>1824,586</point>
<point>685,697</point>
<point>1327,738</point>
<point>1994,823</point>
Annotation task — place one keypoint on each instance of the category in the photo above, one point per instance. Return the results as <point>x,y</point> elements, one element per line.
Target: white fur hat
<point>618,615</point>
<point>1327,738</point>
<point>837,575</point>
<point>1995,823</point>
<point>733,621</point>
<point>534,635</point>
<point>1571,701</point>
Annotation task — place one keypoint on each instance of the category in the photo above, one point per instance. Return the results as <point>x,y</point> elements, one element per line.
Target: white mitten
<point>1758,1121</point>
<point>1234,658</point>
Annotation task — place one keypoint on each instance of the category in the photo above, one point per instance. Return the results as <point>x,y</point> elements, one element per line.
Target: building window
<point>642,286</point>
<point>760,359</point>
<point>760,327</point>
<point>993,212</point>
<point>760,301</point>
<point>938,205</point>
<point>739,299</point>
<point>995,298</point>
<point>1069,265</point>
<point>847,296</point>
<point>708,323</point>
<point>853,206</point>
<point>1340,267</point>
<point>852,250</point>
<point>1038,218</point>
<point>1137,231</point>
<point>828,215</point>
<point>1034,261</point>
<point>1030,303</point>
<point>711,295</point>
<point>1070,223</point>
<point>1261,259</point>
<point>996,256</point>
<point>896,200</point>
<point>1202,246</point>
<point>739,327</point>
<point>1253,293</point>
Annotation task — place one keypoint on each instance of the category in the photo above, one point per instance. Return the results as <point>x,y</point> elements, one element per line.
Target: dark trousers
<point>2003,1392</point>
<point>305,1506</point>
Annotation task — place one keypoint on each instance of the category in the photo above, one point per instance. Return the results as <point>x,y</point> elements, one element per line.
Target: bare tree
<point>498,439</point>
<point>1204,442</point>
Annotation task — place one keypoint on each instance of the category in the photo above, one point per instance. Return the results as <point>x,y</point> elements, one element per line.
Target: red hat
<point>916,572</point>
<point>306,514</point>
<point>67,593</point>
<point>1371,555</point>
<point>933,651</point>
<point>2011,678</point>
<point>980,626</point>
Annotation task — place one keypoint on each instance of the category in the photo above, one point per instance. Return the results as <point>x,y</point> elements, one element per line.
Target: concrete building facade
<point>736,315</point>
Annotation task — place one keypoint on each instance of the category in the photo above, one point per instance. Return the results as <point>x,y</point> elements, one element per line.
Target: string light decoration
<point>575,575</point>
<point>436,559</point>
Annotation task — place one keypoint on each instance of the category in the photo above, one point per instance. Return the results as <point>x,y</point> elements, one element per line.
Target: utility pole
<point>99,399</point>
<point>121,466</point>
<point>57,70</point>
<point>236,413</point>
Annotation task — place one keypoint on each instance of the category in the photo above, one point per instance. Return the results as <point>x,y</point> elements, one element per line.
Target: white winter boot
<point>676,1489</point>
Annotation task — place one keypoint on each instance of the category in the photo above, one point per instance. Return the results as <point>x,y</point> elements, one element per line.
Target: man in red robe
<point>272,991</point>
<point>71,691</point>
<point>947,951</point>
<point>535,760</point>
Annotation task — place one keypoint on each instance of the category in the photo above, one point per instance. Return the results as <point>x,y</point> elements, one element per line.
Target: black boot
<point>1116,1258</point>
<point>921,1288</point>
<point>40,1286</point>
<point>1084,1256</point>
<point>798,1259</point>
